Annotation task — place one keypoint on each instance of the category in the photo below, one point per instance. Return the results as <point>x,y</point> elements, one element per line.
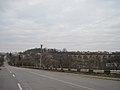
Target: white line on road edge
<point>13,75</point>
<point>62,81</point>
<point>9,70</point>
<point>20,86</point>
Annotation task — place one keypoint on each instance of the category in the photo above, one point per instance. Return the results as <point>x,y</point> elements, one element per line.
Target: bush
<point>90,71</point>
<point>107,72</point>
<point>1,61</point>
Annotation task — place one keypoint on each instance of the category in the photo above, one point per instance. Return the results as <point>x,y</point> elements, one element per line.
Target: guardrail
<point>80,70</point>
<point>94,71</point>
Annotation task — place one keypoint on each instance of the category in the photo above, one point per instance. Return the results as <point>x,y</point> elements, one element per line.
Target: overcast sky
<point>89,25</point>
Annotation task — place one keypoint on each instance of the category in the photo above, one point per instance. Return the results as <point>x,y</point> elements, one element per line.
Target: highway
<point>15,78</point>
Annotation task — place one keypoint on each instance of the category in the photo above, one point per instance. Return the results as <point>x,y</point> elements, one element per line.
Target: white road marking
<point>9,70</point>
<point>66,82</point>
<point>19,86</point>
<point>13,75</point>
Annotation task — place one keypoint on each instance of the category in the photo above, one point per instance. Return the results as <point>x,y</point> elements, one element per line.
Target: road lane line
<point>66,82</point>
<point>13,75</point>
<point>19,86</point>
<point>9,70</point>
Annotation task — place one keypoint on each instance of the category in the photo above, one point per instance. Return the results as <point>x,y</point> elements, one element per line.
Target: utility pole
<point>41,54</point>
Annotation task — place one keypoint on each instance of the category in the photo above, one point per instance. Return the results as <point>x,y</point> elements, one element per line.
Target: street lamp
<point>41,54</point>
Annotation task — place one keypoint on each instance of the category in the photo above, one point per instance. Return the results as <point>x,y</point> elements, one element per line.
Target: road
<point>14,78</point>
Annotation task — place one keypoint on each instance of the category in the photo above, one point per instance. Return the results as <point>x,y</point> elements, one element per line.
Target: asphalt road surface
<point>14,78</point>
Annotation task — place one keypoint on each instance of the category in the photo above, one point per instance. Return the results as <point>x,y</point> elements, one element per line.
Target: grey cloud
<point>76,25</point>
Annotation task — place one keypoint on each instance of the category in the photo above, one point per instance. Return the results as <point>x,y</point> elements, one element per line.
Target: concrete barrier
<point>84,70</point>
<point>80,70</point>
<point>93,71</point>
<point>115,71</point>
<point>75,70</point>
<point>98,71</point>
<point>58,68</point>
<point>65,69</point>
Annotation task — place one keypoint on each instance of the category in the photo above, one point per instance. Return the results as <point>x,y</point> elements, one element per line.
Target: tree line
<point>63,59</point>
<point>1,60</point>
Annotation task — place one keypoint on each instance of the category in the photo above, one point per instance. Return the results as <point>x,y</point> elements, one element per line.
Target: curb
<point>98,77</point>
